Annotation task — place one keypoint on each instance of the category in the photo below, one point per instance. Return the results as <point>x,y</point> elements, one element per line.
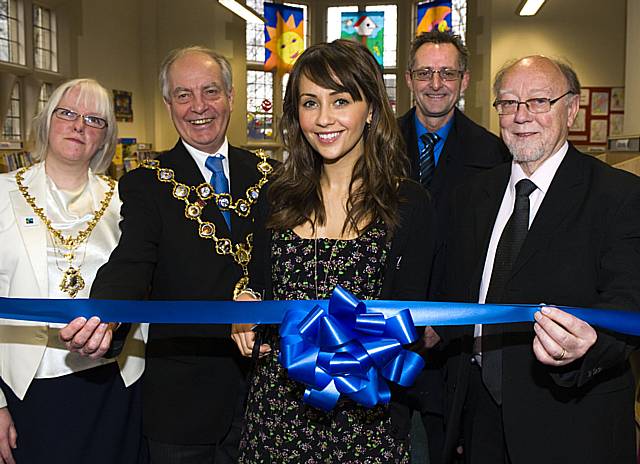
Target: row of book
<point>10,161</point>
<point>129,154</point>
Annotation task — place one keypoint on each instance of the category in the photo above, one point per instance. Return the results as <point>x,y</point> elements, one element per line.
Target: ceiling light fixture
<point>531,7</point>
<point>246,13</point>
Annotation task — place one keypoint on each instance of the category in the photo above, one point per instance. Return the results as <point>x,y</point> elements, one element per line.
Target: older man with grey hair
<point>187,235</point>
<point>553,226</point>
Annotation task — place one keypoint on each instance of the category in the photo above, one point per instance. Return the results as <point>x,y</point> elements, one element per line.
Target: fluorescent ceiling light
<point>531,7</point>
<point>243,11</point>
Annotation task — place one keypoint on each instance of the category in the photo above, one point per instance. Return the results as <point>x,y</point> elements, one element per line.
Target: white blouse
<point>69,212</point>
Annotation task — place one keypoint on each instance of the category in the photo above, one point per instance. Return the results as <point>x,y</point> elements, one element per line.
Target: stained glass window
<point>459,18</point>
<point>264,93</point>
<point>259,105</point>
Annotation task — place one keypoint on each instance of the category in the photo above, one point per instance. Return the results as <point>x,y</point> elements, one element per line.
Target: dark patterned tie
<point>507,251</point>
<point>219,181</point>
<point>426,160</point>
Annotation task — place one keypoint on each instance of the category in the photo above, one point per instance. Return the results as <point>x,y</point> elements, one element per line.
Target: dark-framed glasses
<point>446,74</point>
<point>91,121</point>
<point>534,105</point>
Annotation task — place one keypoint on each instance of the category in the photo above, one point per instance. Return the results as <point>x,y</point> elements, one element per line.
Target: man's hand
<point>244,336</point>
<point>90,338</point>
<point>8,437</point>
<point>430,337</point>
<point>561,338</point>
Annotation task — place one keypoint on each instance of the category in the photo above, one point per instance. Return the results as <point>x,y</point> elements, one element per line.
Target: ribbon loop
<point>348,350</point>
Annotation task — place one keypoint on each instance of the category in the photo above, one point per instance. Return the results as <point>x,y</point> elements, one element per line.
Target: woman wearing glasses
<point>64,402</point>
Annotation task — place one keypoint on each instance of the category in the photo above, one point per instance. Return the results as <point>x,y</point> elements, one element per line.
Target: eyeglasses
<point>534,105</point>
<point>427,74</point>
<point>91,121</point>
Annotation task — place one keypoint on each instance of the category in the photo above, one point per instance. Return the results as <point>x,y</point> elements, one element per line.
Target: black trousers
<point>85,417</point>
<point>224,452</point>
<point>484,441</point>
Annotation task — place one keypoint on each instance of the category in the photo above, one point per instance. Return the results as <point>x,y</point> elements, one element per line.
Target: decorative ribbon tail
<point>324,399</point>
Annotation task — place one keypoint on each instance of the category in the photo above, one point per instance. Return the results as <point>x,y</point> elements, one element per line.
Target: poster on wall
<point>616,124</point>
<point>617,99</point>
<point>584,97</point>
<point>599,103</point>
<point>122,103</point>
<point>434,15</point>
<point>600,116</point>
<point>598,131</point>
<point>366,28</point>
<point>283,36</point>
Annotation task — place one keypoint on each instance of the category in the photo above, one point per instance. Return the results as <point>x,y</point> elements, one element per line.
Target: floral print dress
<point>279,427</point>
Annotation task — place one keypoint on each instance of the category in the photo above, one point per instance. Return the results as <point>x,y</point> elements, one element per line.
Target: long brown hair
<point>295,195</point>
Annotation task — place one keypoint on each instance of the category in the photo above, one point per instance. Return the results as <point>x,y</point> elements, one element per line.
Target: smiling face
<point>436,98</point>
<point>73,143</point>
<point>199,104</point>
<point>290,46</point>
<point>533,138</point>
<point>332,122</point>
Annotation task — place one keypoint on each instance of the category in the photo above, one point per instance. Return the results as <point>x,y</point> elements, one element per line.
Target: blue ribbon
<point>348,349</point>
<point>272,312</point>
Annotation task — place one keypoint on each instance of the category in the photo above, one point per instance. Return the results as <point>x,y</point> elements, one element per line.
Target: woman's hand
<point>8,437</point>
<point>90,338</point>
<point>243,334</point>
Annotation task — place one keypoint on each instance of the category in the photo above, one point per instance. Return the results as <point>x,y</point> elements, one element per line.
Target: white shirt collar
<point>542,176</point>
<point>200,157</point>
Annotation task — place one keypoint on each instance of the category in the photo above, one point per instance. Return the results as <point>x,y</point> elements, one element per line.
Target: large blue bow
<point>348,350</point>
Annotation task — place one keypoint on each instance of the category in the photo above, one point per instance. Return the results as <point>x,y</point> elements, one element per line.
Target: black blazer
<point>406,274</point>
<point>583,249</point>
<point>468,150</point>
<point>194,372</point>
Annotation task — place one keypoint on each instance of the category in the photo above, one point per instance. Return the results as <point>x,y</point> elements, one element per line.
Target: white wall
<point>589,34</point>
<point>123,42</point>
<point>109,50</point>
<point>632,90</point>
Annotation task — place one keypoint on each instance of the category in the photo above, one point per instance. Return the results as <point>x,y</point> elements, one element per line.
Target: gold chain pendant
<point>241,252</point>
<point>72,281</point>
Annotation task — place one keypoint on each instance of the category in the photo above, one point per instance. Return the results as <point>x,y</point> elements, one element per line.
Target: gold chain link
<point>72,281</point>
<point>241,252</point>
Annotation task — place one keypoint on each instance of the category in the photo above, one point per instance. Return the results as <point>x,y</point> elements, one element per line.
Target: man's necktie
<point>219,181</point>
<point>507,251</point>
<point>426,160</point>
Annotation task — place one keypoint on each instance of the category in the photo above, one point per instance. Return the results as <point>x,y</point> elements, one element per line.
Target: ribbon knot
<point>348,350</point>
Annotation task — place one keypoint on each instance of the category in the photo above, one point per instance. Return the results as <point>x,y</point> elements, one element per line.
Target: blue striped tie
<point>426,160</point>
<point>219,181</point>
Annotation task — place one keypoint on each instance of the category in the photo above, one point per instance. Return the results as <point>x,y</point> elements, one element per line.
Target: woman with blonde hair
<point>61,401</point>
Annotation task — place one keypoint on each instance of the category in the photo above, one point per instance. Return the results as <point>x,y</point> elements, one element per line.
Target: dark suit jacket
<point>405,275</point>
<point>194,372</point>
<point>583,249</point>
<point>468,150</point>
